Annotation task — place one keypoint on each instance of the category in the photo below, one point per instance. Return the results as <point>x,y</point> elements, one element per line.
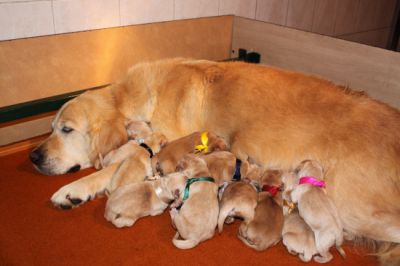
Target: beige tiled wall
<point>365,21</point>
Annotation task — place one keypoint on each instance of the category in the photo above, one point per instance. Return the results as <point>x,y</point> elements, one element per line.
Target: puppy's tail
<point>184,244</point>
<point>223,213</point>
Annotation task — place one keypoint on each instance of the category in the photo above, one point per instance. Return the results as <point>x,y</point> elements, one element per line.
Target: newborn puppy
<point>318,211</point>
<point>138,132</point>
<point>238,200</point>
<point>134,155</point>
<point>265,229</point>
<point>165,161</point>
<point>297,236</point>
<point>197,218</point>
<point>133,201</point>
<point>225,167</point>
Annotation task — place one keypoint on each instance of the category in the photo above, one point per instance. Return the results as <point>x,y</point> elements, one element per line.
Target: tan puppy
<point>197,218</point>
<point>133,201</point>
<point>135,156</point>
<point>138,132</point>
<point>238,200</point>
<point>165,161</point>
<point>265,229</point>
<point>317,210</point>
<point>297,236</point>
<point>223,166</point>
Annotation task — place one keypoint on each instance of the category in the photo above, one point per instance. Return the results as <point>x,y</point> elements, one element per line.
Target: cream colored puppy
<point>318,211</point>
<point>297,236</point>
<point>197,218</point>
<point>135,155</point>
<point>238,200</point>
<point>139,132</point>
<point>130,202</point>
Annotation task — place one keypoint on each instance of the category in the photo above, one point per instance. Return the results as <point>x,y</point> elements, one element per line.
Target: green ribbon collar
<point>193,180</point>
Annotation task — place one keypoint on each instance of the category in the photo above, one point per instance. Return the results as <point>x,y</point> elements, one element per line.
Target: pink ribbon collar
<point>312,181</point>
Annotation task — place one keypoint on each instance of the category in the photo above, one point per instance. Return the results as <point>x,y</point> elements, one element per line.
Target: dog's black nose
<point>36,156</point>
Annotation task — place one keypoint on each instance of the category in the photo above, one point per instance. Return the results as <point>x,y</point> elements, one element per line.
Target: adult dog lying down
<point>273,117</point>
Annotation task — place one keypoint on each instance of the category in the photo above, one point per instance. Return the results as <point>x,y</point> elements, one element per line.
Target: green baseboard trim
<point>44,105</point>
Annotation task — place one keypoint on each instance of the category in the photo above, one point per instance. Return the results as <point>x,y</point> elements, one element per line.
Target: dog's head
<point>85,127</point>
<point>309,168</point>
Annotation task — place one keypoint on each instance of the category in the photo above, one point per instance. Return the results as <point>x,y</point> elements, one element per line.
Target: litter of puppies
<point>206,186</point>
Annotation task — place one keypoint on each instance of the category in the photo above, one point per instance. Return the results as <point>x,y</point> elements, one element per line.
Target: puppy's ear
<point>182,164</point>
<point>217,143</point>
<point>108,137</point>
<point>161,139</point>
<point>244,168</point>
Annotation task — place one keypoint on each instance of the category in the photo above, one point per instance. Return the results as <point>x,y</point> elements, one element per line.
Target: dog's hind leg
<point>390,257</point>
<point>84,189</point>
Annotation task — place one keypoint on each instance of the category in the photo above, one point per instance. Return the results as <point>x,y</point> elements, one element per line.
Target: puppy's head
<point>216,143</point>
<point>310,168</point>
<point>192,165</point>
<point>83,128</point>
<point>139,129</point>
<point>272,178</point>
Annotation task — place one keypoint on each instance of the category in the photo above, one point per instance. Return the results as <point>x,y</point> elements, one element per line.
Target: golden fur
<point>275,118</point>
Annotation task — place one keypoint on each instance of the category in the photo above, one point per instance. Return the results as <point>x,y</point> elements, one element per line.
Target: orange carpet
<point>33,232</point>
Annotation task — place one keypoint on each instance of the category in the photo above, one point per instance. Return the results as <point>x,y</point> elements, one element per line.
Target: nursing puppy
<point>317,210</point>
<point>297,236</point>
<point>265,229</point>
<point>165,161</point>
<point>134,155</point>
<point>133,201</point>
<point>238,200</point>
<point>224,166</point>
<point>197,218</point>
<point>138,132</point>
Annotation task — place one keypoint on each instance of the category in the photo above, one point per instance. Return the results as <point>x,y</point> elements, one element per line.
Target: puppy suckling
<point>297,236</point>
<point>305,188</point>
<point>239,199</point>
<point>165,161</point>
<point>133,201</point>
<point>134,155</point>
<point>139,133</point>
<point>225,167</point>
<point>196,219</point>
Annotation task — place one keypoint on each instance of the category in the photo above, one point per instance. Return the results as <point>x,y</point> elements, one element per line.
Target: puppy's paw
<point>71,196</point>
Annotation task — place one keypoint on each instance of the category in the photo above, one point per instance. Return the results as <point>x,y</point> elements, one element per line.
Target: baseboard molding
<point>22,145</point>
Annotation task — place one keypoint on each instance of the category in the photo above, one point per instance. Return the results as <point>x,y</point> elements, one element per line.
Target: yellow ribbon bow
<point>290,205</point>
<point>204,142</point>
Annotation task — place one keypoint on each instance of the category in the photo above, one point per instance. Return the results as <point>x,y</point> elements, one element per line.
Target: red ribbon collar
<point>273,190</point>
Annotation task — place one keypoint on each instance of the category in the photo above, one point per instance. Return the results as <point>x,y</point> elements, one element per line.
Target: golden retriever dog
<point>265,229</point>
<point>197,217</point>
<point>165,161</point>
<point>273,117</point>
<point>133,201</point>
<point>317,210</point>
<point>238,200</point>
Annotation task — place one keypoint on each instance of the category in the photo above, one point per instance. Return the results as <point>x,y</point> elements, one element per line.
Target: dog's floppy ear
<point>108,137</point>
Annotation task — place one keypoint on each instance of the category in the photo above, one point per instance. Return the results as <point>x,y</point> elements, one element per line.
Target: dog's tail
<point>223,214</point>
<point>184,244</point>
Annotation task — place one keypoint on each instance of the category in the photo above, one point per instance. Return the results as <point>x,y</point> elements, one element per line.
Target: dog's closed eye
<point>66,129</point>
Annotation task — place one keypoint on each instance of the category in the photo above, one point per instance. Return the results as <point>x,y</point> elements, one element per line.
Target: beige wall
<point>363,21</point>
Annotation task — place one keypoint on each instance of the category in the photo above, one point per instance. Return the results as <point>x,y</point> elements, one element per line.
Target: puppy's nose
<point>36,156</point>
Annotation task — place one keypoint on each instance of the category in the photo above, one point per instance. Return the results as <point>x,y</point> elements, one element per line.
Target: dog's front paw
<point>71,196</point>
